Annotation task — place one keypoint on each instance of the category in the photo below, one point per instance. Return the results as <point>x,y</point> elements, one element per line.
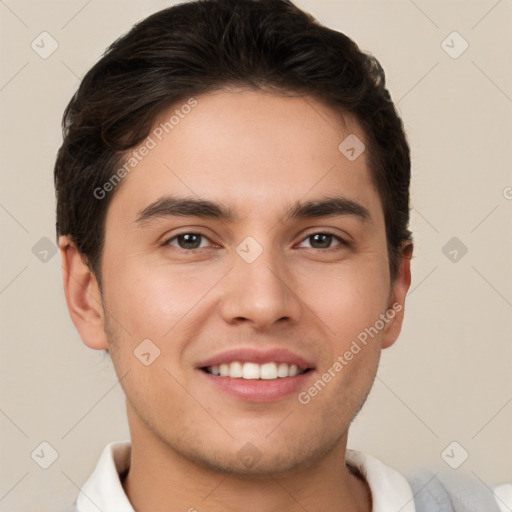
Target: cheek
<point>349,300</point>
<point>150,300</point>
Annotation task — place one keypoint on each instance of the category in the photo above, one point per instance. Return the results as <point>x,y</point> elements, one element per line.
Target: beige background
<point>448,378</point>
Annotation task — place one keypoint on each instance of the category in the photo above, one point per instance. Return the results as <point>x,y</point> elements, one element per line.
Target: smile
<point>255,371</point>
<point>253,374</point>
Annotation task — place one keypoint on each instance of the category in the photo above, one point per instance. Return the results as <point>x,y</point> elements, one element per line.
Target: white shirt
<point>390,490</point>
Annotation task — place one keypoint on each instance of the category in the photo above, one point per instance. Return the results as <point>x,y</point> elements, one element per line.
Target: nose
<point>260,293</point>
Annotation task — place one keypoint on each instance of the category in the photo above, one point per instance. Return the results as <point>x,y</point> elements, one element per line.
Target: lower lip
<point>259,390</point>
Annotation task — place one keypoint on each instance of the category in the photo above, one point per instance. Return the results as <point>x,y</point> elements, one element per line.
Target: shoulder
<point>454,492</point>
<point>428,491</point>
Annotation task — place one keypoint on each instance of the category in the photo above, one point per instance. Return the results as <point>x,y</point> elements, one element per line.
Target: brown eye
<point>187,241</point>
<point>323,240</point>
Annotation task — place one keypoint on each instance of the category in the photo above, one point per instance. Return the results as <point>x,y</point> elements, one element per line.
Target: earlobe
<point>399,289</point>
<point>83,296</point>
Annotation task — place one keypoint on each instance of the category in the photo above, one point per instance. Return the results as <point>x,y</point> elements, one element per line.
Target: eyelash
<point>341,241</point>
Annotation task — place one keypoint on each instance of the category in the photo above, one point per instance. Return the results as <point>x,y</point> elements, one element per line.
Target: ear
<point>396,304</point>
<point>83,296</point>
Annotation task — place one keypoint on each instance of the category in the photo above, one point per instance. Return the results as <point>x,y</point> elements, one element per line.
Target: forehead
<point>250,150</point>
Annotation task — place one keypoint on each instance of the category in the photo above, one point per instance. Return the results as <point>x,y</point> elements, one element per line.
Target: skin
<point>258,153</point>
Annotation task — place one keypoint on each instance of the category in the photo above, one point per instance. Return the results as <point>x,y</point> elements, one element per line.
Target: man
<point>232,213</point>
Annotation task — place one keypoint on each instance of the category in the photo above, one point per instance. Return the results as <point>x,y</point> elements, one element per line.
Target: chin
<point>253,459</point>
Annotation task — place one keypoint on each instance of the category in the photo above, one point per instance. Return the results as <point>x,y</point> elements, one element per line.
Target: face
<point>246,243</point>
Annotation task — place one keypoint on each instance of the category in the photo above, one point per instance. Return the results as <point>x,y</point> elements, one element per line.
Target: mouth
<point>255,371</point>
<point>255,376</point>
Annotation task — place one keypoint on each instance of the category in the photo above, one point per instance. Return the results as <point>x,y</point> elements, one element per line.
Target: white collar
<point>103,490</point>
<point>390,490</point>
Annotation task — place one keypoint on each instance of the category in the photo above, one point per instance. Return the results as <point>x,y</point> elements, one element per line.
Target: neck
<point>161,479</point>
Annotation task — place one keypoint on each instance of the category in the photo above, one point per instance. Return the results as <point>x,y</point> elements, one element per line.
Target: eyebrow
<point>171,206</point>
<point>329,207</point>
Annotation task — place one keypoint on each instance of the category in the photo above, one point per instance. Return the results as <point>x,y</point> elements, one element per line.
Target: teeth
<point>250,371</point>
<point>236,370</point>
<point>282,371</point>
<point>268,371</point>
<point>254,371</point>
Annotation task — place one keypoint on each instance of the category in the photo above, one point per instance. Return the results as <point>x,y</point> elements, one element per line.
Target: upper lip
<point>252,355</point>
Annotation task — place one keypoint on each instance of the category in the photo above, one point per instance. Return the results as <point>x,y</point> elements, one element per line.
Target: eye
<point>323,240</point>
<point>188,241</point>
